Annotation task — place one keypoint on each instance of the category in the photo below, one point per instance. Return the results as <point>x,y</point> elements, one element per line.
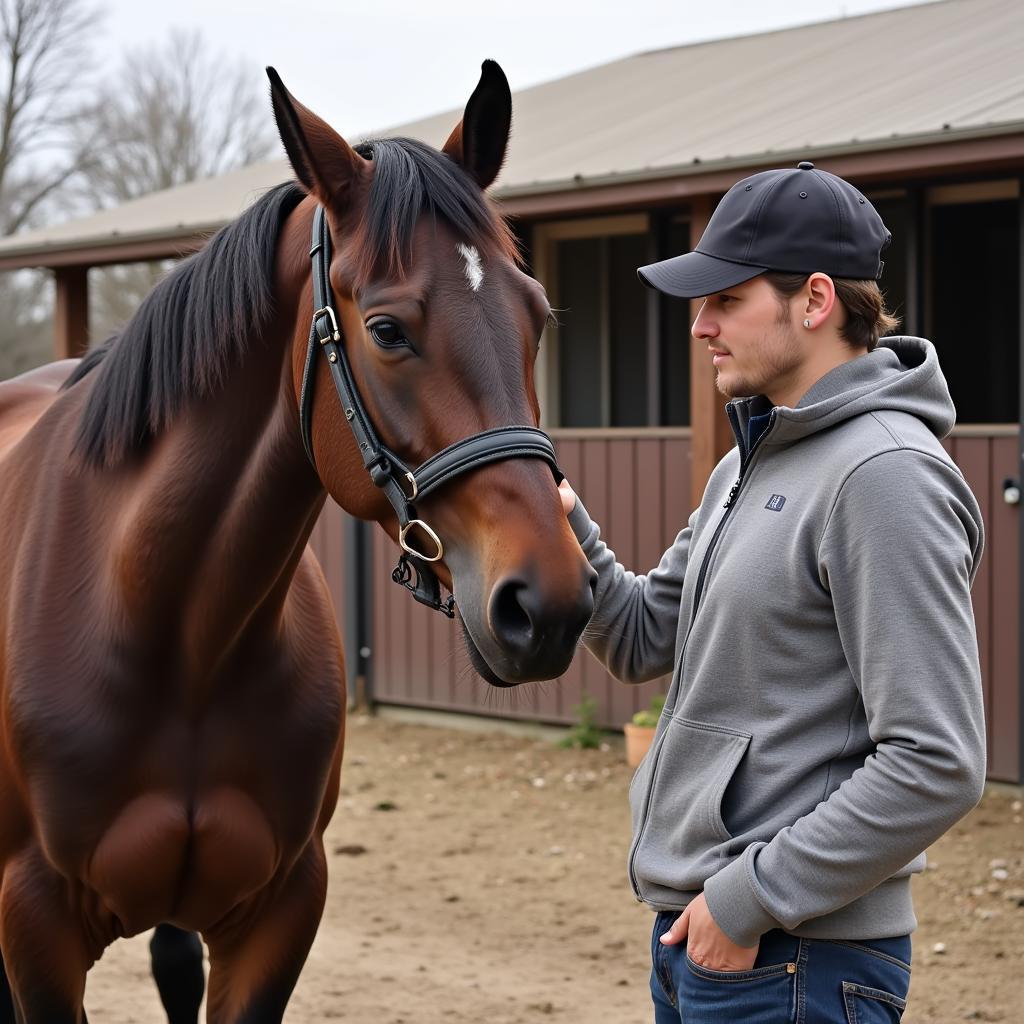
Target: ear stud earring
<point>807,323</point>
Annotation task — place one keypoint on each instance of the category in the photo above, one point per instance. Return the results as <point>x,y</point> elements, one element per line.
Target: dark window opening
<point>897,214</point>
<point>602,334</point>
<point>974,306</point>
<point>675,337</point>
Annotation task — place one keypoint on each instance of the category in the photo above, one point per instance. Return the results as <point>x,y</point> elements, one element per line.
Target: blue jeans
<point>793,981</point>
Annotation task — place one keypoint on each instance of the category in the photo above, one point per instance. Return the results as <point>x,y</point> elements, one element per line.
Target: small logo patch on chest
<point>775,502</point>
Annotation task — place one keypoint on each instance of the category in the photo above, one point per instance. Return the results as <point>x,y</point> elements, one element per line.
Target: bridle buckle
<point>335,334</point>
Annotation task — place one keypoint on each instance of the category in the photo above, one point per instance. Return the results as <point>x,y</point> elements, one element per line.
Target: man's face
<point>754,342</point>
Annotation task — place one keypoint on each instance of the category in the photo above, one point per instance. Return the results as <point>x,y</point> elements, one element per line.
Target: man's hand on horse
<point>568,496</point>
<point>707,944</point>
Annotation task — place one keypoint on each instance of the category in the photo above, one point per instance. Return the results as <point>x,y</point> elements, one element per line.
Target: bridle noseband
<point>401,485</point>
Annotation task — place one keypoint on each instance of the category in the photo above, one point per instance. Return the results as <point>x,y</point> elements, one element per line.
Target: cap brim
<point>695,274</point>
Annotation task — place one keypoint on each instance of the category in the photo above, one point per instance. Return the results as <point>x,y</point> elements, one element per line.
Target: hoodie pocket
<point>680,824</point>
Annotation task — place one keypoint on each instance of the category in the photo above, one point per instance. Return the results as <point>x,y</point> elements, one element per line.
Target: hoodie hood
<point>901,375</point>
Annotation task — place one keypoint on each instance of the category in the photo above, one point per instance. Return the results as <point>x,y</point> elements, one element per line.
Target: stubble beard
<point>778,356</point>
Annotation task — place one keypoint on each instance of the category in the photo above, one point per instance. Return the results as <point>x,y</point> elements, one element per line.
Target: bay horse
<point>172,686</point>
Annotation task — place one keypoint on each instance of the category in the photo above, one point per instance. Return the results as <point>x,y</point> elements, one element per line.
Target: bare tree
<point>44,64</point>
<point>172,113</point>
<point>175,113</point>
<point>26,321</point>
<point>43,61</point>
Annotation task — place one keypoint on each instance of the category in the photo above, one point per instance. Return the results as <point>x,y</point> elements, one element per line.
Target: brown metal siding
<point>418,656</point>
<point>328,544</point>
<point>637,487</point>
<point>986,462</point>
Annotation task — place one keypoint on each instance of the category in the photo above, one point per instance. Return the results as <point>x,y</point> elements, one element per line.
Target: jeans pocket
<point>661,969</point>
<point>866,1005</point>
<point>727,977</point>
<point>763,995</point>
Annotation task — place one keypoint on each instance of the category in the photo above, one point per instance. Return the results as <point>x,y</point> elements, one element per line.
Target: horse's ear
<point>322,160</point>
<point>480,138</point>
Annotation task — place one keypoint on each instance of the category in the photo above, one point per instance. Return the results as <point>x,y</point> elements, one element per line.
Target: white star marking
<point>474,268</point>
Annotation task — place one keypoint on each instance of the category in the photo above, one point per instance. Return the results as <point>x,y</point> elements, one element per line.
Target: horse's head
<point>441,327</point>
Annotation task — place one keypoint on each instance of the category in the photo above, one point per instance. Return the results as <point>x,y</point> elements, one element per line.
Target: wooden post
<point>1019,476</point>
<point>655,302</point>
<point>71,312</point>
<point>712,434</point>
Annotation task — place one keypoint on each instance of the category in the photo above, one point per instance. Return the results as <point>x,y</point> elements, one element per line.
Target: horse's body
<point>171,678</point>
<point>173,683</point>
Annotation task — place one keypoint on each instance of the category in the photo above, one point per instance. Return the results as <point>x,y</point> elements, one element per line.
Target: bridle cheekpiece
<point>401,485</point>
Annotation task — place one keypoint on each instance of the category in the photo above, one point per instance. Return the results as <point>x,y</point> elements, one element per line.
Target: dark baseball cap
<point>800,220</point>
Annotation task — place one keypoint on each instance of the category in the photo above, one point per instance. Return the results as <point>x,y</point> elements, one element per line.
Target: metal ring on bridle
<point>429,532</point>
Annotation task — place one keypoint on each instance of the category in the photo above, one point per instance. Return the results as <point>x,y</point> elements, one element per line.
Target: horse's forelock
<point>410,179</point>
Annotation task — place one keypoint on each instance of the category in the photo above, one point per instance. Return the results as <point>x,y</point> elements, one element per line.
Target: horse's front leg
<point>176,957</point>
<point>256,955</point>
<point>47,951</point>
<point>6,999</point>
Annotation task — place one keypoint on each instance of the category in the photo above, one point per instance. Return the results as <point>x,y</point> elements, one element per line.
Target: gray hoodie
<point>825,720</point>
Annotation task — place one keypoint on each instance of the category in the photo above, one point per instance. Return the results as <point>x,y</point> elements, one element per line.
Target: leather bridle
<point>401,485</point>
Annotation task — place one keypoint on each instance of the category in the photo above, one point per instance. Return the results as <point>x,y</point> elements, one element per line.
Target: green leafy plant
<point>584,734</point>
<point>649,717</point>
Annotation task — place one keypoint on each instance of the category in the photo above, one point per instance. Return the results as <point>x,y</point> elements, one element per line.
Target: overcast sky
<point>369,65</point>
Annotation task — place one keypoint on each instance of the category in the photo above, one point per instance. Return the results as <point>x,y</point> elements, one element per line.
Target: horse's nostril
<point>535,624</point>
<point>509,617</point>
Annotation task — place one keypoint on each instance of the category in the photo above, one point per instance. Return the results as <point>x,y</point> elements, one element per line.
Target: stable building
<point>620,165</point>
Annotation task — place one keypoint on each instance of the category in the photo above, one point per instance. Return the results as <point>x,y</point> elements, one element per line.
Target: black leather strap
<point>401,485</point>
<point>479,450</point>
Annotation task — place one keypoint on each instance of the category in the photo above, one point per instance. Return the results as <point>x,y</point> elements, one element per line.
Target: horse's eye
<point>387,333</point>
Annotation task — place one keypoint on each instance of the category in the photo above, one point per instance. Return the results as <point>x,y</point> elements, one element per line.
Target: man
<point>824,723</point>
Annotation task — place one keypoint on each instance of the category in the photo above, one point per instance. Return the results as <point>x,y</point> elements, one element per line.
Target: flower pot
<point>638,742</point>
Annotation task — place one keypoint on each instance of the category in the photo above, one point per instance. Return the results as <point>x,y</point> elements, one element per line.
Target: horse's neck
<point>221,515</point>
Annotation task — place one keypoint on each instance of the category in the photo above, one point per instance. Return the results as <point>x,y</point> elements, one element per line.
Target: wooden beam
<point>932,160</point>
<point>71,312</point>
<point>712,434</point>
<point>51,256</point>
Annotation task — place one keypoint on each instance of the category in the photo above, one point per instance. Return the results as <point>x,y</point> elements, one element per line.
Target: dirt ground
<point>477,876</point>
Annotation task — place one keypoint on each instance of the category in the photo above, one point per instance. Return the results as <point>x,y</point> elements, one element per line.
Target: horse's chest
<point>165,805</point>
<point>162,858</point>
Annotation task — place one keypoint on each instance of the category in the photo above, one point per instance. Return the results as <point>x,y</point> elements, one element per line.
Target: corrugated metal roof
<point>933,72</point>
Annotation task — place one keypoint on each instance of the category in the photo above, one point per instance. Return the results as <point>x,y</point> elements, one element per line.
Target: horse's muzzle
<point>535,629</point>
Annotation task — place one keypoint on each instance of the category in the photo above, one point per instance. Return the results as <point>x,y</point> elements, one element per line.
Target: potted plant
<point>640,731</point>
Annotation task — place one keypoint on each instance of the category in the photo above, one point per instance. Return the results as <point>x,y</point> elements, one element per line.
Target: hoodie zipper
<point>730,502</point>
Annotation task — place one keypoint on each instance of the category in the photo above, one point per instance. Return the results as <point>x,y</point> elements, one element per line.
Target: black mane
<point>197,323</point>
<point>185,336</point>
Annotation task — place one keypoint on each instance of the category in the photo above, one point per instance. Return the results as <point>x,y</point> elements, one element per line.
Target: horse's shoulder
<point>45,379</point>
<point>25,398</point>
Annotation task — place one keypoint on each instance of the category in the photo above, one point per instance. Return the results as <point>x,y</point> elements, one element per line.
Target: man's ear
<point>821,297</point>
<point>323,161</point>
<point>479,140</point>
